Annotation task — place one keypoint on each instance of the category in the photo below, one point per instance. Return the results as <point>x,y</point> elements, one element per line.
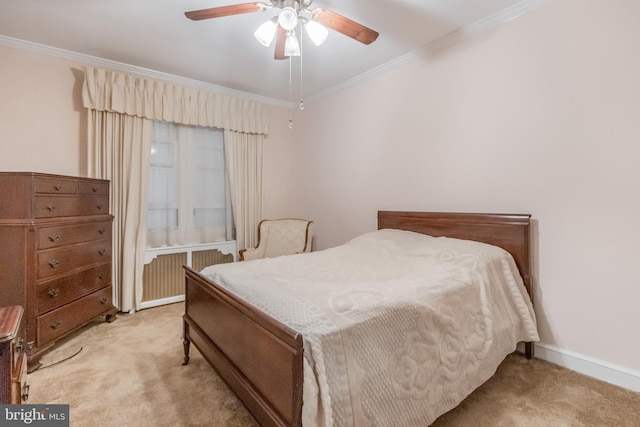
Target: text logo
<point>34,415</point>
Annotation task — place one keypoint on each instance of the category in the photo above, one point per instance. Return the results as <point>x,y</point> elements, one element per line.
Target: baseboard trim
<point>589,366</point>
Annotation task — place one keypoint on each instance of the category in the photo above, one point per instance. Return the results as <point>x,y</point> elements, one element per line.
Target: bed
<point>250,329</point>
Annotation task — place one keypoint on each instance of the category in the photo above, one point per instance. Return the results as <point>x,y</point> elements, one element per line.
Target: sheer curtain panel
<point>189,200</point>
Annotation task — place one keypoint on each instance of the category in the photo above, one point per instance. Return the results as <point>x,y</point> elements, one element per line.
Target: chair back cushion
<point>284,236</point>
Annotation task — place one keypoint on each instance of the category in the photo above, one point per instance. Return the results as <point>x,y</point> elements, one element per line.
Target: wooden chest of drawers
<point>55,261</point>
<point>13,360</point>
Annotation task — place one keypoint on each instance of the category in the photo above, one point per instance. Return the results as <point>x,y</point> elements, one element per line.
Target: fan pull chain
<point>301,100</point>
<point>290,92</point>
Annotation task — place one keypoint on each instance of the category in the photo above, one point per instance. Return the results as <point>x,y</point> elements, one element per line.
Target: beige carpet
<point>129,373</point>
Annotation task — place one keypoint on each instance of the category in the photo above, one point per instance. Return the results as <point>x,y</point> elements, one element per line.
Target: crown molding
<point>127,68</point>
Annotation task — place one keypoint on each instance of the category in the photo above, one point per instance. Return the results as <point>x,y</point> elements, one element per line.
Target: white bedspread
<point>398,327</point>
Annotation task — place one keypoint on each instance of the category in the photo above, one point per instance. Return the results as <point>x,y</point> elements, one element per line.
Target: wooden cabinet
<point>13,359</point>
<point>55,261</point>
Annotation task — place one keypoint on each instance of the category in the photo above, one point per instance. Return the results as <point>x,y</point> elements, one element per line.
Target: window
<point>189,200</point>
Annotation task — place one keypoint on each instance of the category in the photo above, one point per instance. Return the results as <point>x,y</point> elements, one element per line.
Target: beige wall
<point>281,171</point>
<point>40,114</point>
<point>540,115</point>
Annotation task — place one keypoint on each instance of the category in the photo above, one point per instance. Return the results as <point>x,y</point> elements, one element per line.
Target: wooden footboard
<point>258,357</point>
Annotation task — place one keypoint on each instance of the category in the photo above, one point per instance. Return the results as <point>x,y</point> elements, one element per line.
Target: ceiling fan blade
<point>217,12</point>
<point>345,26</point>
<point>281,38</point>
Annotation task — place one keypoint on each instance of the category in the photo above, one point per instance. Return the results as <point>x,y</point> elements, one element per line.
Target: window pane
<point>162,218</point>
<point>188,198</point>
<point>162,154</point>
<point>209,217</point>
<point>162,187</point>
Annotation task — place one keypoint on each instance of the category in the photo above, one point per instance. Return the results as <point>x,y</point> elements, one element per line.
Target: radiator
<point>163,275</point>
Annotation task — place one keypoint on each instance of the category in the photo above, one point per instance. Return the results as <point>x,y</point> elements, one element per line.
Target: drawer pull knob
<point>103,300</point>
<point>94,189</point>
<point>54,325</point>
<point>25,393</point>
<point>58,187</point>
<point>53,293</point>
<point>102,251</point>
<point>20,345</point>
<point>54,263</point>
<point>51,207</point>
<point>102,230</point>
<point>54,237</point>
<point>101,275</point>
<point>99,207</point>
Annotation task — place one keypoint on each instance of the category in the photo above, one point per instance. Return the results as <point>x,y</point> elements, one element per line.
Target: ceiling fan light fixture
<point>288,18</point>
<point>266,32</point>
<point>291,45</point>
<point>317,32</point>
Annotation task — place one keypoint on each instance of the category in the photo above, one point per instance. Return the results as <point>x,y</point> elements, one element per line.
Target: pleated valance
<point>105,90</point>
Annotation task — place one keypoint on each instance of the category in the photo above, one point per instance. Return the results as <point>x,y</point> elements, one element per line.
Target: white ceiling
<point>155,35</point>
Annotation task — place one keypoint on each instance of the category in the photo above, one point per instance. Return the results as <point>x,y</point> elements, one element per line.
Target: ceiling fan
<point>282,27</point>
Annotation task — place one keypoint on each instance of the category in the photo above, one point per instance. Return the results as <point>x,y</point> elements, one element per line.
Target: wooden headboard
<point>508,231</point>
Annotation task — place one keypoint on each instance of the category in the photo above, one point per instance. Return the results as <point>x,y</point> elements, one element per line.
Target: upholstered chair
<point>278,237</point>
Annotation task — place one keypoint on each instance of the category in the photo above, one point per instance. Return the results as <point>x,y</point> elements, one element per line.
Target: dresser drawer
<point>19,386</point>
<point>55,293</point>
<point>63,235</point>
<point>11,352</point>
<point>55,185</point>
<point>60,206</point>
<point>94,187</point>
<point>59,322</point>
<point>64,260</point>
<point>18,346</point>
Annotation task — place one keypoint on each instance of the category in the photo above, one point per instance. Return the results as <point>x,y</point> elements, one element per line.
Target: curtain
<point>122,108</point>
<point>119,152</point>
<point>105,90</point>
<point>244,162</point>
